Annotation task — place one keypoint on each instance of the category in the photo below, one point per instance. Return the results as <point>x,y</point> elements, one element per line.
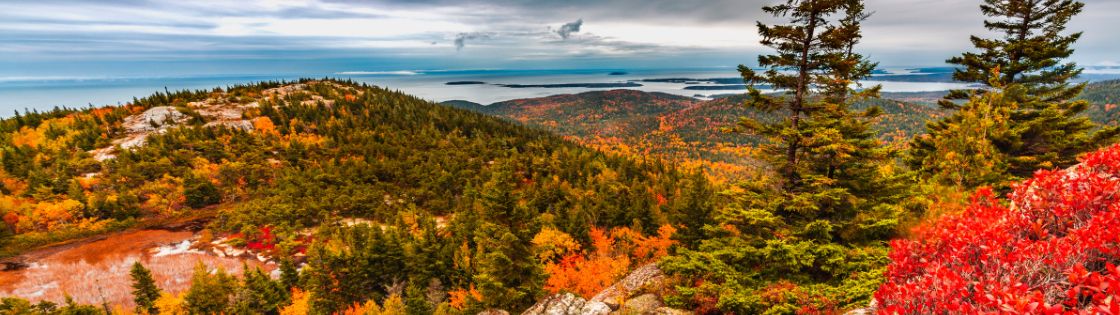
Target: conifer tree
<point>814,231</point>
<point>508,274</point>
<point>1049,130</point>
<point>964,152</point>
<point>289,276</point>
<point>209,294</point>
<point>828,157</point>
<point>144,290</point>
<point>258,293</point>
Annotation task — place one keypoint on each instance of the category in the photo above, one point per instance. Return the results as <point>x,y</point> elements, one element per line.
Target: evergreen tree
<point>1049,128</point>
<point>144,290</point>
<point>289,276</point>
<point>964,152</point>
<point>1030,52</point>
<point>200,192</point>
<point>209,294</point>
<point>258,294</point>
<point>816,230</point>
<point>695,209</point>
<point>828,156</point>
<point>508,274</point>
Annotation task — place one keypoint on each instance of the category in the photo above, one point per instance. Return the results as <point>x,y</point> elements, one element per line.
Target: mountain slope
<point>1103,98</point>
<point>370,188</point>
<point>682,129</point>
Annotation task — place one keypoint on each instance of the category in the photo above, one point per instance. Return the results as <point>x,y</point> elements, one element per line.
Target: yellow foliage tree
<point>394,305</point>
<point>551,244</point>
<point>264,125</point>
<point>299,304</point>
<point>171,304</point>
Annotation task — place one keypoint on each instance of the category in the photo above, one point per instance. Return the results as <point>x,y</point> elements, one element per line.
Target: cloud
<point>462,38</point>
<point>902,33</point>
<point>567,29</point>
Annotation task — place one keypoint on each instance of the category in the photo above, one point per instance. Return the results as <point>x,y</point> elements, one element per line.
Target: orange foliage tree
<point>460,297</point>
<point>609,258</point>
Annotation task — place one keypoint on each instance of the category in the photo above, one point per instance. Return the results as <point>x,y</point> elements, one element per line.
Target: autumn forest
<point>814,192</point>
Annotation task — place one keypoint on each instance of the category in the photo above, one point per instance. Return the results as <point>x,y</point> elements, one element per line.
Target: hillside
<point>1103,98</point>
<point>367,187</point>
<point>685,130</point>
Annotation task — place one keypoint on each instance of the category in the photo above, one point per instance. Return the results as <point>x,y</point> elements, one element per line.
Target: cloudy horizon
<point>138,37</point>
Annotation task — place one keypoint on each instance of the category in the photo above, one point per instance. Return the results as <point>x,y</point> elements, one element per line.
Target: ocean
<point>484,86</point>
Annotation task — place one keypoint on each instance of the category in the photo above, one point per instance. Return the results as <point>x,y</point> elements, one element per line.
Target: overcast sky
<point>137,37</point>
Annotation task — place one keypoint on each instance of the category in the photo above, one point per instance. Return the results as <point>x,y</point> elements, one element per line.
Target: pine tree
<point>508,274</point>
<point>209,294</point>
<point>815,231</point>
<point>828,157</point>
<point>1050,131</point>
<point>289,276</point>
<point>258,293</point>
<point>1030,51</point>
<point>695,207</point>
<point>144,290</point>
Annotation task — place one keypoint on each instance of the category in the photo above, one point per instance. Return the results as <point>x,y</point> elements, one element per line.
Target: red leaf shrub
<point>1050,250</point>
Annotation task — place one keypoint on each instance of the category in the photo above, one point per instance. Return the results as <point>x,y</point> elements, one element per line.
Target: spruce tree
<point>209,294</point>
<point>1030,51</point>
<point>1049,128</point>
<point>508,274</point>
<point>144,290</point>
<point>258,293</point>
<point>289,275</point>
<point>827,155</point>
<point>816,229</point>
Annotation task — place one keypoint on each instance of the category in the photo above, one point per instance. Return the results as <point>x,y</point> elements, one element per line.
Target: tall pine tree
<point>814,231</point>
<point>1049,130</point>
<point>828,157</point>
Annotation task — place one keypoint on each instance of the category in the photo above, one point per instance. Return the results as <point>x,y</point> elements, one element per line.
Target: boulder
<point>619,292</point>
<point>642,304</point>
<point>493,311</point>
<point>567,304</point>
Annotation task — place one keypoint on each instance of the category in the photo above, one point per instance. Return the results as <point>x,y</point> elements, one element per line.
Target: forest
<point>372,201</point>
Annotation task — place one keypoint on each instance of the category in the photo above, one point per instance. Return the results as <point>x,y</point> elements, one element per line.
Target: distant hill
<point>1103,97</point>
<point>682,129</point>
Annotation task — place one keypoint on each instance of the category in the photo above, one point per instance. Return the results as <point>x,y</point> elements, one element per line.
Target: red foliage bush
<point>1050,250</point>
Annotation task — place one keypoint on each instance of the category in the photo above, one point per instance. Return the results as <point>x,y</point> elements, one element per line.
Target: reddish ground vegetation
<point>96,272</point>
<point>1049,249</point>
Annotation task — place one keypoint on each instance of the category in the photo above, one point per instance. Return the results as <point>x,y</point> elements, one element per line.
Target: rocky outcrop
<point>642,304</point>
<point>634,294</point>
<point>565,304</point>
<point>616,294</point>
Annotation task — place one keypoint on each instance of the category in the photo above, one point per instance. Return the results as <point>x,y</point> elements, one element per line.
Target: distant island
<point>717,87</point>
<point>695,81</point>
<point>574,85</point>
<point>465,83</point>
<point>618,73</point>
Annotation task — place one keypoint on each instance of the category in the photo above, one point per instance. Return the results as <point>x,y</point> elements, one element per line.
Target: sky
<point>76,38</point>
